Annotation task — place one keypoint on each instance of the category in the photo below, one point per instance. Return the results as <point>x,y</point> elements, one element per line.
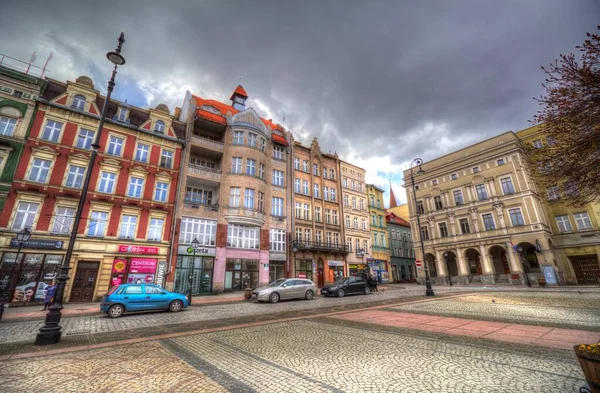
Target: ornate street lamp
<point>418,162</point>
<point>195,244</point>
<point>51,332</point>
<point>525,272</point>
<point>22,237</point>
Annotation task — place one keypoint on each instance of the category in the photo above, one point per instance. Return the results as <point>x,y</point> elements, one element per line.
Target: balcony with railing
<point>204,173</point>
<point>298,245</point>
<point>197,201</point>
<point>207,143</point>
<point>242,215</point>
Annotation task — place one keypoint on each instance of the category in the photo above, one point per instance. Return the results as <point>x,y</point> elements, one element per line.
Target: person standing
<point>49,296</point>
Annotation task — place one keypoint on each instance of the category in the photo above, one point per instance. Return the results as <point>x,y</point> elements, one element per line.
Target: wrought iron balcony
<point>319,246</point>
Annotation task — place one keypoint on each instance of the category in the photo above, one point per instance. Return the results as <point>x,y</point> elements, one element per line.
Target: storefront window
<point>276,271</point>
<point>304,268</point>
<point>28,279</point>
<point>202,274</point>
<point>241,274</point>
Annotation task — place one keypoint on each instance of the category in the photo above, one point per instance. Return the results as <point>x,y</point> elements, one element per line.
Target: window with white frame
<point>507,186</point>
<point>297,185</point>
<point>122,116</point>
<point>355,222</point>
<point>238,137</point>
<point>305,166</point>
<point>159,126</point>
<point>347,221</point>
<point>364,224</point>
<point>277,240</point>
<point>63,220</point>
<point>236,165</point>
<point>52,131</point>
<point>353,185</point>
<point>25,215</point>
<point>234,196</point>
<point>75,176</point>
<point>328,216</point>
<point>326,193</point>
<point>316,190</point>
<point>325,172</point>
<point>332,191</point>
<point>332,174</point>
<point>39,170</point>
<point>361,204</point>
<point>155,229</point>
<point>263,144</point>
<point>306,211</point>
<point>196,228</point>
<point>115,146</point>
<point>335,217</point>
<point>278,178</point>
<point>277,207</point>
<point>198,195</point>
<point>142,152</point>
<point>366,245</point>
<point>296,163</point>
<point>160,194</point>
<point>500,162</point>
<point>135,187</point>
<point>298,210</point>
<point>305,187</point>
<point>261,171</point>
<point>97,225</point>
<point>382,237</point>
<point>107,182</point>
<point>357,243</point>
<point>250,167</point>
<point>249,198</point>
<point>243,236</point>
<point>516,217</point>
<point>278,152</point>
<point>166,158</point>
<point>488,222</point>
<point>318,236</point>
<point>7,125</point>
<point>346,203</point>
<point>537,144</point>
<point>481,192</point>
<point>583,221</point>
<point>307,235</point>
<point>299,234</point>
<point>317,214</point>
<point>85,139</point>
<point>345,182</point>
<point>354,202</point>
<point>458,197</point>
<point>252,139</point>
<point>78,102</point>
<point>316,169</point>
<point>564,224</point>
<point>128,224</point>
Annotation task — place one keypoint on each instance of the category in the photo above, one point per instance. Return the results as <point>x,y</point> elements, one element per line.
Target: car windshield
<point>277,283</point>
<point>340,280</point>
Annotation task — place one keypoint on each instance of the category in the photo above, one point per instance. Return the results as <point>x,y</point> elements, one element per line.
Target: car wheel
<point>274,298</point>
<point>176,305</point>
<point>115,311</point>
<point>340,293</point>
<point>309,295</point>
<point>367,290</point>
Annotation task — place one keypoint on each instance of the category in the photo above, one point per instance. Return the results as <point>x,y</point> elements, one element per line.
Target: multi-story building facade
<point>575,236</point>
<point>235,198</point>
<point>482,217</point>
<point>379,262</point>
<point>18,93</point>
<point>402,256</point>
<point>318,248</point>
<point>126,226</point>
<point>356,218</point>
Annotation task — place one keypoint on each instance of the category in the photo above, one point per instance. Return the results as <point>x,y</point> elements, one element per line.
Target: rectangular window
<point>155,229</point>
<point>325,172</point>
<point>438,202</point>
<point>305,166</point>
<point>332,174</point>
<point>298,210</point>
<point>316,169</point>
<point>363,224</point>
<point>328,216</point>
<point>488,222</point>
<point>434,182</point>
<point>335,217</point>
<point>500,162</point>
<point>358,250</point>
<point>296,163</point>
<point>307,235</point>
<point>234,196</point>
<point>465,228</point>
<point>305,187</point>
<point>475,169</point>
<point>107,182</point>
<point>250,167</point>
<point>458,197</point>
<point>481,192</point>
<point>85,139</point>
<point>299,234</point>
<point>277,207</point>
<point>424,233</point>
<point>160,194</point>
<point>205,231</point>
<point>243,236</point>
<point>166,159</point>
<point>39,170</point>
<point>249,198</point>
<point>317,214</point>
<point>507,186</point>
<point>347,221</point>
<point>52,131</point>
<point>375,239</point>
<point>252,139</point>
<point>277,240</point>
<point>278,178</point>
<point>326,193</point>
<point>550,141</point>
<point>128,224</point>
<point>236,165</point>
<point>454,176</point>
<point>564,224</point>
<point>135,187</point>
<point>198,195</point>
<point>63,220</point>
<point>238,137</point>
<point>261,171</point>
<point>316,190</point>
<point>97,224</point>
<point>122,114</point>
<point>115,146</point>
<point>306,211</point>
<point>583,221</point>
<point>383,243</point>
<point>25,216</point>
<point>278,152</point>
<point>297,185</point>
<point>318,237</point>
<point>332,192</point>
<point>7,126</point>
<point>553,193</point>
<point>141,152</point>
<point>420,208</point>
<point>516,217</point>
<point>538,144</point>
<point>443,229</point>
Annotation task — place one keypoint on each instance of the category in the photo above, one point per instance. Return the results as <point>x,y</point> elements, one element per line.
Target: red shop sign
<point>142,265</point>
<point>138,249</point>
<point>119,265</point>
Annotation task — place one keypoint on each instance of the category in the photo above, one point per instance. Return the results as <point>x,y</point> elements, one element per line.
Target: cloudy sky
<point>380,82</point>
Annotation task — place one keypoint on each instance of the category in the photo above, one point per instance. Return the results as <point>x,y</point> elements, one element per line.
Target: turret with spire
<point>392,197</point>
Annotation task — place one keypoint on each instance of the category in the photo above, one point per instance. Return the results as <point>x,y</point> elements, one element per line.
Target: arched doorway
<point>431,264</point>
<point>451,264</point>
<point>499,260</point>
<point>320,277</point>
<point>528,255</point>
<point>474,262</point>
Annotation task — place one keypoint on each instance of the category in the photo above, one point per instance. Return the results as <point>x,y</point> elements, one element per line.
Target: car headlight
<point>263,292</point>
<point>333,288</point>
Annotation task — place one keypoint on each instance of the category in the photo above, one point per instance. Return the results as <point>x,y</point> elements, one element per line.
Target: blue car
<point>140,297</point>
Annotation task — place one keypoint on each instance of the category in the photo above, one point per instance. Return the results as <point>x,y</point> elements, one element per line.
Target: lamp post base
<point>429,292</point>
<point>51,332</point>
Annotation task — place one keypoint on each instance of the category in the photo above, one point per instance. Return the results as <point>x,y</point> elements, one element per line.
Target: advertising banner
<point>119,265</point>
<point>138,249</point>
<point>142,265</point>
<point>160,273</point>
<point>140,278</point>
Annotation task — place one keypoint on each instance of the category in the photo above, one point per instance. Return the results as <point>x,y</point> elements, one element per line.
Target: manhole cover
<point>78,333</point>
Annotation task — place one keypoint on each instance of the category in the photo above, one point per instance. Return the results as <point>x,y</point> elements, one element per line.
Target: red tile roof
<point>394,219</point>
<point>239,91</point>
<point>279,139</point>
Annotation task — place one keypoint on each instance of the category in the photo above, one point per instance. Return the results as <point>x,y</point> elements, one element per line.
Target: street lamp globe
<point>115,58</point>
<point>195,243</point>
<point>23,235</point>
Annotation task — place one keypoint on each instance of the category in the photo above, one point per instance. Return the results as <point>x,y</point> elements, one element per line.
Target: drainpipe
<point>290,212</point>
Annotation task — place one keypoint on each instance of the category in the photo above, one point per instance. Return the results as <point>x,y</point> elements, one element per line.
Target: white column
<point>514,261</point>
<point>463,268</point>
<point>439,263</point>
<point>486,264</point>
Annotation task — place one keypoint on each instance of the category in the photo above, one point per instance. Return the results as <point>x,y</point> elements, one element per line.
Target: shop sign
<point>160,273</point>
<point>200,251</point>
<point>335,263</point>
<point>362,266</point>
<point>41,244</point>
<point>277,256</point>
<point>549,275</point>
<point>119,265</point>
<point>142,265</point>
<point>138,249</point>
<point>301,275</point>
<point>140,278</point>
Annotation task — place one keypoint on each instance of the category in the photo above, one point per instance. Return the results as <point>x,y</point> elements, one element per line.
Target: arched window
<point>159,126</point>
<point>78,102</point>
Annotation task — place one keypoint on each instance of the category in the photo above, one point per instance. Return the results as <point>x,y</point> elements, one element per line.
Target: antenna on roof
<point>240,81</point>
<point>46,65</point>
<point>30,61</point>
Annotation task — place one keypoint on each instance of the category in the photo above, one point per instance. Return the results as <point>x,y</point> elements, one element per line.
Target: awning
<point>279,139</point>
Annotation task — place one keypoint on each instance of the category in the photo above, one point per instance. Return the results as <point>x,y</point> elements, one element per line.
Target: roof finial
<point>240,81</point>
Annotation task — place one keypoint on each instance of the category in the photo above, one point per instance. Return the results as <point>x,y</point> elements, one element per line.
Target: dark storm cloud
<point>367,78</point>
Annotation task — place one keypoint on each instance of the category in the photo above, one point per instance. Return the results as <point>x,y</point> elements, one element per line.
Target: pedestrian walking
<point>49,296</point>
<point>373,283</point>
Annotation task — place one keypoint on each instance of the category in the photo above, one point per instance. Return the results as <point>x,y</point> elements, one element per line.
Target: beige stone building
<point>318,250</point>
<point>482,217</point>
<point>356,218</point>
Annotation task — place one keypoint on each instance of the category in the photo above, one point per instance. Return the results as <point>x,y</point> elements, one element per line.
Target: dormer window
<point>122,116</point>
<point>159,126</point>
<point>78,102</point>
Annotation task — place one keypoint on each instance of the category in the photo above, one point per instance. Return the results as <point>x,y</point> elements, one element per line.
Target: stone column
<point>488,270</point>
<point>463,267</point>
<point>443,276</point>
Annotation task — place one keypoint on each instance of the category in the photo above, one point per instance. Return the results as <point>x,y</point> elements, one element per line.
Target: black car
<point>346,286</point>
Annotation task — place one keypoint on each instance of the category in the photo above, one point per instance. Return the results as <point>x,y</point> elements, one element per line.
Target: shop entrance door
<point>320,273</point>
<point>84,282</point>
<point>587,269</point>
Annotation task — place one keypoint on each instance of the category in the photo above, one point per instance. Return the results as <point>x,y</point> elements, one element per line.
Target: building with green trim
<point>18,94</point>
<point>379,263</point>
<point>401,247</point>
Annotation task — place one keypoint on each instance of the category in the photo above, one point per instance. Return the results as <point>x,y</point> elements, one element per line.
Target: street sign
<point>418,263</point>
